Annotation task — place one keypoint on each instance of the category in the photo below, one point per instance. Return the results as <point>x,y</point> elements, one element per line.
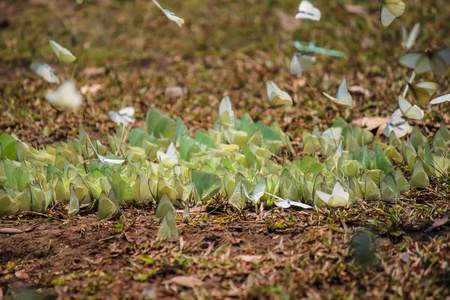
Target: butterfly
<point>286,203</point>
<point>397,124</point>
<point>431,60</point>
<point>45,71</point>
<point>104,159</point>
<point>343,97</point>
<point>422,91</point>
<point>338,197</point>
<point>226,114</point>
<point>390,9</point>
<point>307,11</point>
<point>408,40</point>
<point>277,97</point>
<point>258,191</point>
<point>170,15</point>
<point>64,55</point>
<point>66,95</point>
<point>441,99</point>
<point>410,111</point>
<point>301,62</point>
<point>123,116</point>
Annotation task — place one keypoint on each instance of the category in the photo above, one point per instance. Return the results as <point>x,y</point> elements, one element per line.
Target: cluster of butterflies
<point>436,61</point>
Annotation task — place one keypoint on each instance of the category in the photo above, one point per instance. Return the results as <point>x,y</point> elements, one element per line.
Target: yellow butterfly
<point>277,97</point>
<point>422,91</point>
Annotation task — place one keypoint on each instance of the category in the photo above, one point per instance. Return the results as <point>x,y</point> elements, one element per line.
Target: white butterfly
<point>338,197</point>
<point>343,97</point>
<point>432,60</point>
<point>286,203</point>
<point>45,71</point>
<point>277,97</point>
<point>301,62</point>
<point>441,99</point>
<point>226,114</point>
<point>408,40</point>
<point>66,95</point>
<point>390,9</point>
<point>104,159</point>
<point>258,191</point>
<point>168,159</point>
<point>64,55</point>
<point>397,124</point>
<point>410,111</point>
<point>307,11</point>
<point>123,116</point>
<point>170,15</point>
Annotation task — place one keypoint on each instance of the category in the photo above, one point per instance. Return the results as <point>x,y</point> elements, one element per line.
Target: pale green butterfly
<point>66,95</point>
<point>343,97</point>
<point>410,111</point>
<point>258,191</point>
<point>277,97</point>
<point>307,11</point>
<point>408,40</point>
<point>391,9</point>
<point>64,55</point>
<point>431,60</point>
<point>286,203</point>
<point>226,114</point>
<point>338,197</point>
<point>301,62</point>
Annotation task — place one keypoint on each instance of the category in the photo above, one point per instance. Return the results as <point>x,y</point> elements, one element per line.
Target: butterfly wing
<point>438,63</point>
<point>277,97</point>
<point>409,60</point>
<point>441,99</point>
<point>408,41</point>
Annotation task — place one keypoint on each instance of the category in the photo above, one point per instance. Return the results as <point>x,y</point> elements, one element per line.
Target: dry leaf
<point>91,89</point>
<point>21,274</point>
<point>360,90</point>
<point>355,9</point>
<point>370,123</point>
<point>10,230</point>
<point>90,72</point>
<point>175,91</point>
<point>438,222</point>
<point>186,281</point>
<point>249,258</point>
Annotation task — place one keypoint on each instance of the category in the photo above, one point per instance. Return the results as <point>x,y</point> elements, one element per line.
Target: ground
<point>373,249</point>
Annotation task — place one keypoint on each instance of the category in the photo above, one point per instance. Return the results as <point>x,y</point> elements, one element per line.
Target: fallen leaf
<point>360,90</point>
<point>438,222</point>
<point>355,9</point>
<point>194,210</point>
<point>175,91</point>
<point>249,258</point>
<point>21,274</point>
<point>186,281</point>
<point>149,292</point>
<point>371,123</point>
<point>91,89</point>
<point>10,230</point>
<point>93,71</point>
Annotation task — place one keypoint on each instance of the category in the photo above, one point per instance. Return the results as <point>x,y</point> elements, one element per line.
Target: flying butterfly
<point>277,97</point>
<point>307,11</point>
<point>431,60</point>
<point>343,97</point>
<point>422,91</point>
<point>410,111</point>
<point>123,116</point>
<point>66,95</point>
<point>64,55</point>
<point>441,99</point>
<point>408,40</point>
<point>45,71</point>
<point>286,203</point>
<point>397,124</point>
<point>301,62</point>
<point>391,9</point>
